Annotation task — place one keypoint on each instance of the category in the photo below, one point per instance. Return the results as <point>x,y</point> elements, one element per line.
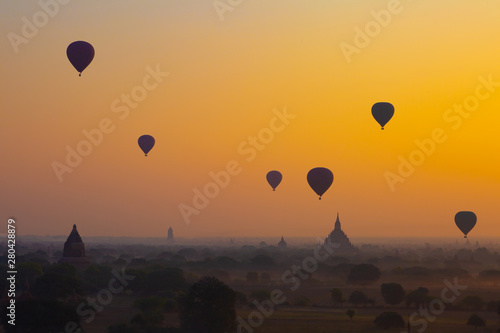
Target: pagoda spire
<point>337,222</point>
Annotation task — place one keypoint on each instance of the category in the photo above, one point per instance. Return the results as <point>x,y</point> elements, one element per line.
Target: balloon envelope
<point>80,54</point>
<point>274,178</point>
<point>146,142</point>
<point>320,180</point>
<point>465,221</point>
<point>382,112</point>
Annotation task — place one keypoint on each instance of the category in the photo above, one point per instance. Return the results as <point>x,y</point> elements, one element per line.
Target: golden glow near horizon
<point>231,91</point>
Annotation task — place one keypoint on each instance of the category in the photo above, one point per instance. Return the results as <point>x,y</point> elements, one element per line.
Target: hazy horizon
<point>271,240</point>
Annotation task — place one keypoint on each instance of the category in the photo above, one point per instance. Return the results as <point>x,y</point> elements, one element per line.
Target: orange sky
<point>224,80</point>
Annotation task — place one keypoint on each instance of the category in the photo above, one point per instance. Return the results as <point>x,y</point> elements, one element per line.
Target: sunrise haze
<point>213,84</point>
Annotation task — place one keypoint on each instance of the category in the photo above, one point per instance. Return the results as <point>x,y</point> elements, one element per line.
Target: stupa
<point>170,237</point>
<point>282,244</point>
<point>337,236</point>
<point>74,250</point>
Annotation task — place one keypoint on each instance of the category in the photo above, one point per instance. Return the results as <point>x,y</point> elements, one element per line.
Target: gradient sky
<point>225,79</point>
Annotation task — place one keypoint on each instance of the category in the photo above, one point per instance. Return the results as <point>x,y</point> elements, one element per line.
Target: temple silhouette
<point>337,236</point>
<point>74,250</point>
<point>282,244</point>
<point>170,237</point>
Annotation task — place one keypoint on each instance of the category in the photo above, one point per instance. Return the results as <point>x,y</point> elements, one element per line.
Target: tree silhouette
<point>241,298</point>
<point>42,316</point>
<point>358,298</point>
<point>151,303</point>
<point>387,320</point>
<point>147,321</point>
<point>392,293</point>
<point>96,277</point>
<point>350,313</point>
<point>123,328</point>
<point>65,269</point>
<point>220,274</point>
<point>265,277</point>
<point>151,310</point>
<point>252,277</point>
<point>164,281</point>
<point>337,297</point>
<point>54,285</point>
<point>491,275</point>
<point>59,281</point>
<point>474,303</point>
<point>363,274</point>
<point>260,295</point>
<point>475,320</point>
<point>209,307</point>
<point>417,297</point>
<point>262,260</point>
<point>301,301</point>
<point>28,272</point>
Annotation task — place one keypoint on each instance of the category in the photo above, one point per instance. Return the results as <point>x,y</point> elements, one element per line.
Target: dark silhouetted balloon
<point>320,180</point>
<point>465,221</point>
<point>382,112</point>
<point>146,142</point>
<point>274,178</point>
<point>80,54</point>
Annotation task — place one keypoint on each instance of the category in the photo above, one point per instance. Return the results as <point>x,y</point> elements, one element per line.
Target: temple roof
<point>337,236</point>
<point>74,250</point>
<point>74,236</point>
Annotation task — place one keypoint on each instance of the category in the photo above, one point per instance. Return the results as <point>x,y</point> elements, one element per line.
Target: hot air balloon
<point>146,142</point>
<point>274,178</point>
<point>382,112</point>
<point>320,180</point>
<point>465,221</point>
<point>80,54</point>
